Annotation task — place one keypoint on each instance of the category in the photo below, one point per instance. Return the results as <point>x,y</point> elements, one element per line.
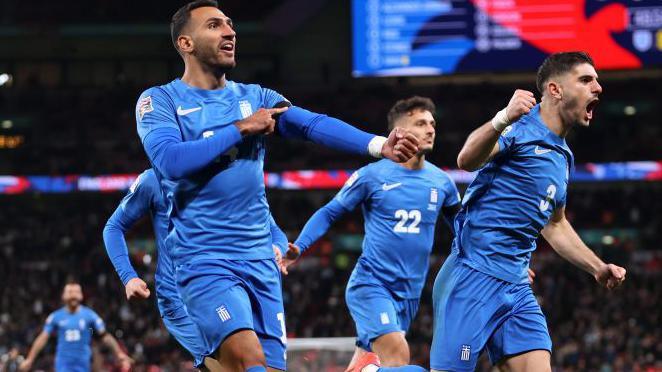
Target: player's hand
<point>400,146</point>
<point>125,362</point>
<point>610,275</point>
<point>532,275</point>
<point>278,256</point>
<point>136,288</point>
<point>25,365</point>
<point>292,254</point>
<point>261,122</point>
<point>520,104</point>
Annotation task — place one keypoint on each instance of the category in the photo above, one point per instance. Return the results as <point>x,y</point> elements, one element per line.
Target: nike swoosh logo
<point>182,112</point>
<point>386,187</point>
<point>540,151</point>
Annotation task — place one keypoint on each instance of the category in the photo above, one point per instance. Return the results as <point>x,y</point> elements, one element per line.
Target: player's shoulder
<point>435,171</point>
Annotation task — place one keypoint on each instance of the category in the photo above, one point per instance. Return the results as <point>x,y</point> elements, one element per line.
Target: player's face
<point>72,295</point>
<point>213,36</point>
<point>421,123</point>
<point>580,90</point>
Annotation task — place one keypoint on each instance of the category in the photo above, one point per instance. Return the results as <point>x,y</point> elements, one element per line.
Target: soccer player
<point>205,135</point>
<point>74,324</point>
<point>401,204</point>
<point>144,197</point>
<point>481,295</point>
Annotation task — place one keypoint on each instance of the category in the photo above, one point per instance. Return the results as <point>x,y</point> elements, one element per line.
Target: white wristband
<point>500,121</point>
<point>375,146</point>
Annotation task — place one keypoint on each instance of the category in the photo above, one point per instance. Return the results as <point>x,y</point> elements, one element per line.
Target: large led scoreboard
<point>432,37</point>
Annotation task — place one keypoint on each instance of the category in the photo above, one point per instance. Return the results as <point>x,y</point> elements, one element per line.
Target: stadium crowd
<point>43,244</point>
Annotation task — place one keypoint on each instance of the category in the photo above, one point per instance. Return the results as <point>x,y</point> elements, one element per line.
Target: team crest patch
<point>145,106</point>
<point>507,130</point>
<point>246,109</point>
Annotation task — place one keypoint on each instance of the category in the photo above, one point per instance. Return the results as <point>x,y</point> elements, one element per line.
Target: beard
<point>571,113</point>
<point>209,57</point>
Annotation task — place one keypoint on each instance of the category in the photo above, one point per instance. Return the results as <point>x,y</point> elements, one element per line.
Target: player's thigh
<point>468,307</point>
<point>180,325</point>
<point>392,349</point>
<point>530,361</point>
<point>375,313</point>
<point>523,331</point>
<point>268,312</point>
<point>217,300</point>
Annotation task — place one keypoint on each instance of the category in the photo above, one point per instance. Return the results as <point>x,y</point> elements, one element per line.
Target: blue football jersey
<point>144,197</point>
<point>221,211</point>
<point>512,199</point>
<point>400,207</point>
<point>74,331</point>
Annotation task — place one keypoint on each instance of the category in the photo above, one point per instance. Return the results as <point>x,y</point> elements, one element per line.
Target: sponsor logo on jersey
<point>387,187</point>
<point>183,112</point>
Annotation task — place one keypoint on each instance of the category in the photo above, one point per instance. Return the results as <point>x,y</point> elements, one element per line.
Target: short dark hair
<point>404,106</point>
<point>183,15</point>
<point>559,63</point>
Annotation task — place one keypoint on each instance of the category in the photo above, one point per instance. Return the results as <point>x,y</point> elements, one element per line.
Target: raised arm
<point>114,346</point>
<point>35,349</point>
<point>482,145</point>
<point>300,123</point>
<point>565,241</point>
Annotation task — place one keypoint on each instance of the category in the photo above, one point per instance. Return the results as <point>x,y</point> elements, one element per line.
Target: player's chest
<point>395,198</point>
<point>72,329</point>
<point>201,118</point>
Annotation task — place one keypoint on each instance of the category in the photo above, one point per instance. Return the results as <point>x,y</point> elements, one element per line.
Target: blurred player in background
<point>145,197</point>
<point>401,204</point>
<point>74,324</point>
<point>481,295</point>
<point>205,135</point>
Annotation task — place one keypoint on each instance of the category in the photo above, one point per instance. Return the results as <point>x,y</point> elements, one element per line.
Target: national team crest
<point>434,195</point>
<point>145,106</point>
<point>245,108</point>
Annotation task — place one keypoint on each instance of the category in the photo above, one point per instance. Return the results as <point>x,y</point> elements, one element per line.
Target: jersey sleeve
<point>271,98</point>
<point>51,324</point>
<point>451,194</point>
<point>509,138</point>
<point>96,322</point>
<point>278,237</point>
<point>132,208</point>
<point>155,110</point>
<point>355,190</point>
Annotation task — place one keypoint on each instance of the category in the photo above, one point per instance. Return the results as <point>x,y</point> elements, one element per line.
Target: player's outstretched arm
<point>36,348</point>
<point>118,252</point>
<point>481,145</point>
<point>124,360</point>
<point>337,134</point>
<point>565,241</point>
<point>316,226</point>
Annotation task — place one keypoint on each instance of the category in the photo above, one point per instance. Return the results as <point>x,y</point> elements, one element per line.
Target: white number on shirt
<point>72,335</point>
<point>404,217</point>
<point>544,203</point>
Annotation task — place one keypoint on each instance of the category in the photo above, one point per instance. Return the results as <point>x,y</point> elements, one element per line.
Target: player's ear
<point>554,89</point>
<point>185,44</point>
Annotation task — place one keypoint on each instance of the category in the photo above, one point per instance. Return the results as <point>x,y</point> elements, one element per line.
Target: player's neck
<point>551,117</point>
<point>74,309</point>
<point>202,77</point>
<point>416,162</point>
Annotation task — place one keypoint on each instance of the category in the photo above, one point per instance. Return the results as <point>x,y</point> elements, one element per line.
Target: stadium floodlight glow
<point>629,110</point>
<point>7,124</point>
<point>4,79</point>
